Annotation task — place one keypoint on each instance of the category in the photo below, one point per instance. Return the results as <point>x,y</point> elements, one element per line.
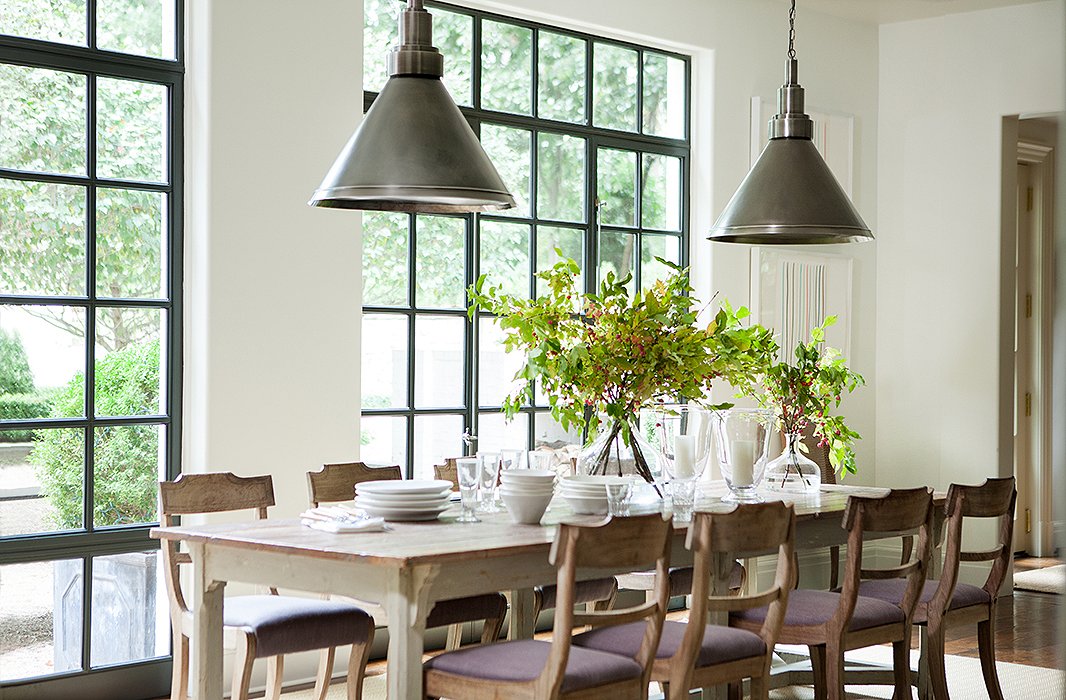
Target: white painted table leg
<point>206,659</point>
<point>406,606</point>
<point>521,623</point>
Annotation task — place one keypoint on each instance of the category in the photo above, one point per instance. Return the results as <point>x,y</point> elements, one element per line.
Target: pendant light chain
<point>792,31</point>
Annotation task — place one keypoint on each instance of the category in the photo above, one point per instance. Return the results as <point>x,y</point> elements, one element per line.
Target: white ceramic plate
<point>408,487</point>
<point>371,502</point>
<point>393,516</point>
<point>595,479</point>
<point>405,498</point>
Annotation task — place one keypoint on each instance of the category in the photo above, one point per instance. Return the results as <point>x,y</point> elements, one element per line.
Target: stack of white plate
<point>407,499</point>
<point>587,495</point>
<point>526,493</point>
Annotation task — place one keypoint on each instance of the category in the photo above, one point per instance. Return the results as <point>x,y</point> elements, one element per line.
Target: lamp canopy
<point>414,150</point>
<point>790,197</point>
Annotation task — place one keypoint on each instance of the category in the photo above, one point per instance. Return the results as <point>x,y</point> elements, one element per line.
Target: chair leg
<point>760,688</point>
<point>818,671</point>
<point>986,645</point>
<point>934,658</point>
<point>455,637</point>
<point>275,676</point>
<point>834,670</point>
<point>490,633</point>
<point>242,667</point>
<point>179,683</point>
<point>357,666</point>
<point>325,673</point>
<point>901,668</point>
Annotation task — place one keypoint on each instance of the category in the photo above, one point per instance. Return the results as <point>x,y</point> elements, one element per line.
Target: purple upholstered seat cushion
<point>891,590</point>
<point>584,592</point>
<point>720,644</point>
<point>475,607</point>
<point>524,659</point>
<point>283,624</point>
<point>806,608</point>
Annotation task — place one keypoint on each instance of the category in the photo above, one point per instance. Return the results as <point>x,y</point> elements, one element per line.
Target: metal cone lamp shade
<point>414,151</point>
<point>790,196</point>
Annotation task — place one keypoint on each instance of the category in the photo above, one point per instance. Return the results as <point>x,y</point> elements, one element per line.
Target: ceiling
<point>884,11</point>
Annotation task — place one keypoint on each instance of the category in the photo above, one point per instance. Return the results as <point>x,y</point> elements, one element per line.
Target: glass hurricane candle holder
<point>684,437</point>
<point>743,436</point>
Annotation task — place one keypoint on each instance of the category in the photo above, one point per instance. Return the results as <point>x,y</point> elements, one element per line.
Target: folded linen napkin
<point>340,520</point>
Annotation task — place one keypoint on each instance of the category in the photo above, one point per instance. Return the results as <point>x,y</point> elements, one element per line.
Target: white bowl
<point>588,480</point>
<point>527,475</point>
<point>526,508</point>
<point>529,488</point>
<point>586,506</point>
<point>580,490</point>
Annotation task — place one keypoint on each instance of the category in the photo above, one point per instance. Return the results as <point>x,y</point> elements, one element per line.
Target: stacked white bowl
<point>526,493</point>
<point>587,495</point>
<point>404,499</point>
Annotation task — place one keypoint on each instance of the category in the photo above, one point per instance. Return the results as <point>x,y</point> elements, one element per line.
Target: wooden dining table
<point>413,565</point>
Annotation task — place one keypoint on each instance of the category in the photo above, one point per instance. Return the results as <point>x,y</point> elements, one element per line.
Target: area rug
<point>1051,579</point>
<point>964,681</point>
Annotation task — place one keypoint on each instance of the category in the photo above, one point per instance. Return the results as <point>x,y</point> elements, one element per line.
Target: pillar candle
<point>742,463</point>
<point>684,457</point>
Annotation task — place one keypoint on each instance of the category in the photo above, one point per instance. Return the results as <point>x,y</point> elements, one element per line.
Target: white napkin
<point>338,520</point>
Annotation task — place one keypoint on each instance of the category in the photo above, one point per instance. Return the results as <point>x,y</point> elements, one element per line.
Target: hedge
<point>23,407</point>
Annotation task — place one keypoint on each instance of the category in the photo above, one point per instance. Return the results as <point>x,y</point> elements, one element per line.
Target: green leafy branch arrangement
<point>806,391</point>
<point>621,351</point>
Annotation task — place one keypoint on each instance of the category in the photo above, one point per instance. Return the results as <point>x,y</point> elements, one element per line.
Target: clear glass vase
<point>608,453</point>
<point>792,470</point>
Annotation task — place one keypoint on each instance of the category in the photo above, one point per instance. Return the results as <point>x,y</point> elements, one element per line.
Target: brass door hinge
<point>1028,198</point>
<point>1028,520</point>
<point>1028,305</point>
<point>1028,404</point>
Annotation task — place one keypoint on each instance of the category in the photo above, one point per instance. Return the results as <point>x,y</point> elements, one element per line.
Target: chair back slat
<point>991,499</point>
<point>335,483</point>
<point>631,542</point>
<point>899,512</point>
<point>449,471</point>
<point>215,492</point>
<point>983,555</point>
<point>753,529</point>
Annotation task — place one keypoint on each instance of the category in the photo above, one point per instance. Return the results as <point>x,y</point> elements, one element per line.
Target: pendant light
<point>414,151</point>
<point>790,196</point>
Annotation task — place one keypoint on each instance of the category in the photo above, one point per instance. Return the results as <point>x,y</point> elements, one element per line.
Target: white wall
<point>739,49</point>
<point>945,86</point>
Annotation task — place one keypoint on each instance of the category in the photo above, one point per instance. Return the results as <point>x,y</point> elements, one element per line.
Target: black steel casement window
<point>591,135</point>
<point>91,100</point>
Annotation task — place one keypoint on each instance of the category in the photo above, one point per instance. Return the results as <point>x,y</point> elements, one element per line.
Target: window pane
<point>141,27</point>
<point>505,256</point>
<point>62,21</point>
<point>42,234</point>
<point>439,342</point>
<point>651,247</point>
<point>438,437</point>
<point>548,433</point>
<point>617,255</point>
<point>130,243</point>
<point>41,473</point>
<point>131,130</point>
<point>385,259</point>
<point>616,186</point>
<point>43,113</point>
<point>128,357</point>
<point>614,87</point>
<point>40,618</point>
<point>511,151</point>
<point>440,274</point>
<point>380,33</point>
<point>383,440</point>
<point>495,432</point>
<point>560,177</point>
<point>571,241</point>
<point>129,610</point>
<point>127,466</point>
<point>506,67</point>
<point>561,77</point>
<point>453,35</point>
<point>43,359</point>
<point>661,195</point>
<point>384,359</point>
<point>664,95</point>
<point>496,366</point>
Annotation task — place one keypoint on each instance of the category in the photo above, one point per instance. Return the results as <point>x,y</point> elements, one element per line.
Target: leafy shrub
<point>15,374</point>
<point>23,407</point>
<point>126,457</point>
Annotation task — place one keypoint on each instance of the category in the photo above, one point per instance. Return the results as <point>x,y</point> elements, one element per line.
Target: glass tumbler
<point>466,469</point>
<point>488,477</point>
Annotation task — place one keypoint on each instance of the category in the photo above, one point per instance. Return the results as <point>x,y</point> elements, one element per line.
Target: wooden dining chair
<point>548,670</point>
<point>830,622</point>
<point>701,655</point>
<point>449,471</point>
<point>261,626</point>
<point>946,602</point>
<point>335,483</point>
